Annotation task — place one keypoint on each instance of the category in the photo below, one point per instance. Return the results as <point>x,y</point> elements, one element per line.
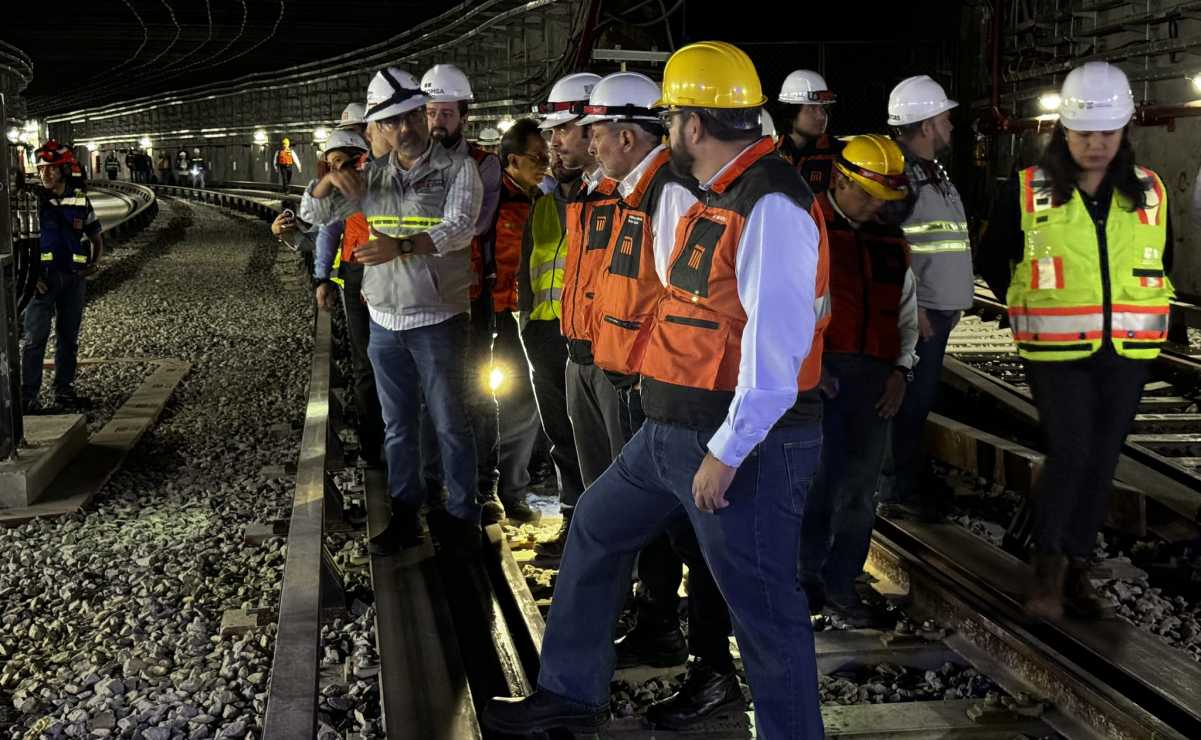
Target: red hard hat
<point>52,153</point>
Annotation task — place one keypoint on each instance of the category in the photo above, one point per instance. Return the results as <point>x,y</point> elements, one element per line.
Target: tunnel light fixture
<point>320,134</point>
<point>1196,80</point>
<point>14,135</point>
<point>260,136</point>
<point>31,125</point>
<point>144,142</point>
<point>1049,101</point>
<point>504,124</point>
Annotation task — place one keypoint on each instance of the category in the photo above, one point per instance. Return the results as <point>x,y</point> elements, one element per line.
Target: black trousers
<point>358,327</point>
<point>1086,408</point>
<point>546,352</point>
<point>285,174</point>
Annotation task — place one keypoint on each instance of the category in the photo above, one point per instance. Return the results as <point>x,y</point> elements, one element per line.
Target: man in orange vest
<point>285,159</point>
<point>869,354</point>
<point>733,430</point>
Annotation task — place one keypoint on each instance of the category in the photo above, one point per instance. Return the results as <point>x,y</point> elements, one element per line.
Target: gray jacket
<point>938,239</point>
<point>439,195</point>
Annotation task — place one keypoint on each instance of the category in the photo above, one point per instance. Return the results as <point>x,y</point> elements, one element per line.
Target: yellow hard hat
<point>287,141</point>
<point>876,164</point>
<point>711,74</point>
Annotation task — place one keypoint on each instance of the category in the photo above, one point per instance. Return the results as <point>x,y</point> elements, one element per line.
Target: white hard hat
<point>343,139</point>
<point>352,115</point>
<point>489,136</point>
<point>916,99</point>
<point>766,123</point>
<point>574,89</point>
<point>806,87</point>
<point>622,96</point>
<point>1096,97</point>
<point>393,92</point>
<point>446,83</point>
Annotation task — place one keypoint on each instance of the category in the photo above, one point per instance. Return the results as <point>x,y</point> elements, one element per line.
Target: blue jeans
<point>908,458</point>
<point>427,362</point>
<point>840,512</point>
<point>751,549</point>
<point>63,300</point>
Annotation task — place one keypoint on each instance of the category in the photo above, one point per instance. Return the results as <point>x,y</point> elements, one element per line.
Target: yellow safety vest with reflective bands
<point>1064,296</point>
<point>547,260</point>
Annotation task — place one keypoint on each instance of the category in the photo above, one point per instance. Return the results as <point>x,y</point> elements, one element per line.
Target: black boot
<point>1045,599</point>
<point>402,531</point>
<point>517,511</point>
<point>540,712</point>
<point>552,550</point>
<point>456,537</point>
<point>706,691</point>
<point>492,511</point>
<point>815,594</point>
<point>67,398</point>
<point>1080,599</point>
<point>652,643</point>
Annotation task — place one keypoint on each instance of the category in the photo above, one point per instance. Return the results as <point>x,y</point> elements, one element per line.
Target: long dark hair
<point>1062,170</point>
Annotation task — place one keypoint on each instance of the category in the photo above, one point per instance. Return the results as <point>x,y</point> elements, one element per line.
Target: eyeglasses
<point>410,118</point>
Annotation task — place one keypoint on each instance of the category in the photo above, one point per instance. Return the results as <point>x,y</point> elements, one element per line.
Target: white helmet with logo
<point>806,87</point>
<point>352,115</point>
<point>446,83</point>
<point>916,99</point>
<point>1096,97</point>
<point>393,92</point>
<point>343,139</point>
<point>570,92</point>
<point>622,96</point>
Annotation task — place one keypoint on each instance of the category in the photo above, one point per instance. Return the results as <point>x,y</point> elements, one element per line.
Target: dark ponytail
<point>1062,169</point>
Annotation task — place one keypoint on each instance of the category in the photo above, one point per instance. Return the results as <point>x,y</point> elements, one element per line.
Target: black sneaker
<point>31,406</point>
<point>658,646</point>
<point>402,531</point>
<point>455,536</point>
<point>706,691</point>
<point>67,398</point>
<point>519,512</point>
<point>492,512</point>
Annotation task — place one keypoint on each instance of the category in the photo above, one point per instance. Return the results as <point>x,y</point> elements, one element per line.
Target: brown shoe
<point>1079,597</point>
<point>1045,600</point>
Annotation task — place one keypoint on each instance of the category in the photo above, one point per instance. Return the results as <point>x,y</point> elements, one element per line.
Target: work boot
<point>402,531</point>
<point>492,511</point>
<point>31,406</point>
<point>542,711</point>
<point>518,511</point>
<point>706,691</point>
<point>815,594</point>
<point>456,537</point>
<point>1045,600</point>
<point>67,398</point>
<point>652,644</point>
<point>1079,597</point>
<point>552,550</point>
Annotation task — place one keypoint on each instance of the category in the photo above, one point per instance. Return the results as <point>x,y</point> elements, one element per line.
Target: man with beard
<point>421,206</point>
<point>504,419</point>
<point>919,113</point>
<point>807,146</point>
<point>732,435</point>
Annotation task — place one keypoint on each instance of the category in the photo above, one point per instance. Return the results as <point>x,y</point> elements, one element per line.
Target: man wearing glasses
<point>422,207</point>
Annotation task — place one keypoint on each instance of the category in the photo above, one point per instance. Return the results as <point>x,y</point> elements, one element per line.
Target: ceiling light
<point>504,124</point>
<point>1196,80</point>
<point>260,136</point>
<point>1049,101</point>
<point>144,142</point>
<point>320,134</point>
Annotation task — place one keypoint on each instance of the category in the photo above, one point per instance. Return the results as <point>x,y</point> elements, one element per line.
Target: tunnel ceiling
<point>108,50</point>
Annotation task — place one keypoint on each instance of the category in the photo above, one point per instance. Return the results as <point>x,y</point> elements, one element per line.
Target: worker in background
<point>164,170</point>
<point>626,140</point>
<point>1080,247</point>
<point>422,207</point>
<point>490,140</point>
<point>731,368</point>
<point>199,169</point>
<point>70,247</point>
<point>335,270</point>
<point>807,146</point>
<point>183,174</point>
<point>503,418</point>
<point>919,113</point>
<point>131,164</point>
<point>285,159</point>
<point>592,401</point>
<point>112,166</point>
<point>867,361</point>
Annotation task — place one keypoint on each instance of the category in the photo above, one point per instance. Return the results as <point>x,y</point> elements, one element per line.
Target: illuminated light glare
<point>31,125</point>
<point>1049,101</point>
<point>496,378</point>
<point>504,124</point>
<point>144,142</point>
<point>260,137</point>
<point>14,135</point>
<point>320,134</point>
<point>1196,80</point>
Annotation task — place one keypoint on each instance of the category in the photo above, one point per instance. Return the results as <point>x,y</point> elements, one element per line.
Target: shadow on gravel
<point>127,266</point>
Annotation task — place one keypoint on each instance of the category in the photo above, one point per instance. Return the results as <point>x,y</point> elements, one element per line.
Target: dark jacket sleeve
<point>1001,247</point>
<point>525,287</point>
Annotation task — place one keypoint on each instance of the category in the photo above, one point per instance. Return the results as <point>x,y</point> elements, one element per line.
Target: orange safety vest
<point>628,288</point>
<point>690,368</point>
<point>511,215</point>
<point>590,221</point>
<point>284,158</point>
<point>814,161</point>
<point>867,277</point>
<point>355,233</point>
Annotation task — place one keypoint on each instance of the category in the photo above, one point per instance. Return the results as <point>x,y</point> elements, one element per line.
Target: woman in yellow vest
<point>1079,246</point>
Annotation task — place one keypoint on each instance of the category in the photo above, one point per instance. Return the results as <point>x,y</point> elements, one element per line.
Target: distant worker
<point>867,362</point>
<point>164,170</point>
<point>183,167</point>
<point>199,169</point>
<point>285,159</point>
<point>112,166</point>
<point>1080,248</point>
<point>806,145</point>
<point>70,246</point>
<point>422,206</point>
<point>919,113</point>
<point>490,139</point>
<point>131,164</point>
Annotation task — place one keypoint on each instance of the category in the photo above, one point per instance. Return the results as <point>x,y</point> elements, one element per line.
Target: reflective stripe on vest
<point>401,227</point>
<point>548,260</point>
<point>1057,300</point>
<point>933,237</point>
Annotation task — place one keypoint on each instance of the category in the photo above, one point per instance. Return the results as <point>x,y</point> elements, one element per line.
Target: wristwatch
<point>407,246</point>
<point>906,372</point>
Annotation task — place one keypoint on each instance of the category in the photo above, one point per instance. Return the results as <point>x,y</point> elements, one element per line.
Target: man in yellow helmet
<point>732,436</point>
<point>285,159</point>
<point>868,360</point>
